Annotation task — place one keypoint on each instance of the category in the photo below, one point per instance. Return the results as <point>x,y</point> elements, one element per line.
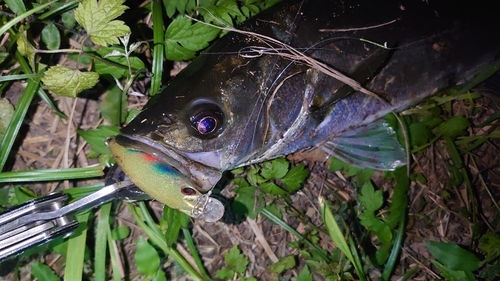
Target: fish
<point>301,75</point>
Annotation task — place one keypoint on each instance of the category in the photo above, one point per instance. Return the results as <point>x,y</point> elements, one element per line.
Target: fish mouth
<point>204,177</point>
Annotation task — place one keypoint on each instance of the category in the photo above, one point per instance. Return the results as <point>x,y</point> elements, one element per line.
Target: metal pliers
<point>43,219</point>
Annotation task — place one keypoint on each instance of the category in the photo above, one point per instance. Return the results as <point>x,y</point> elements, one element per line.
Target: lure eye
<point>206,118</point>
<point>188,191</point>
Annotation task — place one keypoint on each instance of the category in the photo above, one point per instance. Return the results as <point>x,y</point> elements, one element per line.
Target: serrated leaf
<point>67,82</point>
<point>98,20</point>
<point>225,274</point>
<point>275,169</point>
<point>454,127</point>
<point>120,233</point>
<point>294,179</point>
<point>370,199</point>
<point>399,202</point>
<point>453,256</point>
<point>146,258</point>
<point>183,39</point>
<point>304,275</point>
<point>51,36</point>
<point>97,137</point>
<point>381,230</point>
<point>285,263</point>
<point>489,244</point>
<point>43,272</point>
<point>6,113</point>
<point>236,260</point>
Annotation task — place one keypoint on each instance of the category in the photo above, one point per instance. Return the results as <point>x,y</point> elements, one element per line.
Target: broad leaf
<point>146,258</point>
<point>98,19</point>
<point>453,256</point>
<point>67,82</point>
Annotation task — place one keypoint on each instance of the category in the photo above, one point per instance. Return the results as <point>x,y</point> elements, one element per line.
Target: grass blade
<point>338,238</point>
<point>76,251</point>
<point>51,174</point>
<point>158,46</point>
<point>270,216</point>
<point>22,16</point>
<point>194,253</point>
<point>17,121</point>
<point>101,242</point>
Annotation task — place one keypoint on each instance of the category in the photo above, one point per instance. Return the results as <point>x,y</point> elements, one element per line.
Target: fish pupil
<point>188,191</point>
<point>207,125</point>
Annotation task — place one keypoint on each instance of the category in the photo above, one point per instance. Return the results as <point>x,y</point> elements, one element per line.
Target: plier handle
<point>43,219</point>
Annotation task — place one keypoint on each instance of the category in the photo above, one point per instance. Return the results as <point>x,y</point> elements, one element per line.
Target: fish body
<point>305,74</point>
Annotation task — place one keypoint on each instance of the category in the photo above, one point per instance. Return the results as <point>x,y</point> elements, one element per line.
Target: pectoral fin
<point>372,146</point>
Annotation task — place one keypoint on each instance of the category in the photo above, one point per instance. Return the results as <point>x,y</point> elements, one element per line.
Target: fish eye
<point>206,118</point>
<point>188,191</point>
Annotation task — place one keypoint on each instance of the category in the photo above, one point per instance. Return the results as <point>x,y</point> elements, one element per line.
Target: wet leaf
<point>67,82</point>
<point>43,272</point>
<point>146,258</point>
<point>51,36</point>
<point>453,256</point>
<point>98,20</point>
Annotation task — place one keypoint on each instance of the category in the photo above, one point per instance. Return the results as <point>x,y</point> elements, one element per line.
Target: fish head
<point>206,120</point>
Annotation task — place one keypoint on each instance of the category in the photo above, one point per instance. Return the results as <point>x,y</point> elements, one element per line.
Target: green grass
<point>365,232</point>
